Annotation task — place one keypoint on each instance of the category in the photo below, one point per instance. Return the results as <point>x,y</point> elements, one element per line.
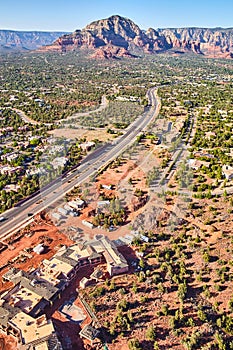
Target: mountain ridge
<point>15,40</point>
<point>118,36</point>
<point>106,35</point>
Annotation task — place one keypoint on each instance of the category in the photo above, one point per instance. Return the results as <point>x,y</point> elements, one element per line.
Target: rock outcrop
<point>111,51</point>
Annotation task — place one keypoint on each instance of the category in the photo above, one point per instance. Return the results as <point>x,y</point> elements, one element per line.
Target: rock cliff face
<point>115,31</point>
<point>107,35</point>
<point>17,40</point>
<point>216,41</point>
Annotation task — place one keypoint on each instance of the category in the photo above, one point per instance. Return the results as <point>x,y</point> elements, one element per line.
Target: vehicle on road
<point>2,218</point>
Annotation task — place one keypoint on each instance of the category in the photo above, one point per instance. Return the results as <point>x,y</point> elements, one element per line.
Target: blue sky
<point>68,15</point>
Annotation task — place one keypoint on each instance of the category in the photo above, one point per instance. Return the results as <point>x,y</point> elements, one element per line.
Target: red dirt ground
<point>33,260</point>
<point>7,342</point>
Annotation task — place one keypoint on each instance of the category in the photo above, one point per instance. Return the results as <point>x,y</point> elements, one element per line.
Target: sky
<point>69,15</point>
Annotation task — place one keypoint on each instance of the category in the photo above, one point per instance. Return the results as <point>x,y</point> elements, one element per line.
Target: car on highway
<point>30,214</point>
<point>2,218</point>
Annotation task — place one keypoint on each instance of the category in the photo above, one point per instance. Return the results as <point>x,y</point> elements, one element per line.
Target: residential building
<point>31,293</point>
<point>34,334</point>
<point>227,171</point>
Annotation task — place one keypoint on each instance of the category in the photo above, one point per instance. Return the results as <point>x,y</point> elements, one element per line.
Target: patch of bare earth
<point>89,135</point>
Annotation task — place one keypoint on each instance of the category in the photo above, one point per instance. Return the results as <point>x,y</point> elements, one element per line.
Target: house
<point>227,171</point>
<point>30,332</point>
<point>31,293</point>
<point>35,171</point>
<point>197,164</point>
<point>77,204</point>
<point>87,146</point>
<point>144,238</point>
<point>59,265</point>
<point>210,134</point>
<point>101,204</point>
<point>10,156</point>
<point>116,263</point>
<point>10,170</point>
<point>127,98</point>
<point>68,207</point>
<point>11,187</point>
<point>59,162</point>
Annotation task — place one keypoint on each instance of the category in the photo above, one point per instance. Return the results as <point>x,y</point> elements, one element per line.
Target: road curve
<point>54,192</point>
<point>25,118</point>
<point>103,105</point>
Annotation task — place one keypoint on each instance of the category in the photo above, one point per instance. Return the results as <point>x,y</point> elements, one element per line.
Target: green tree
<point>134,344</point>
<point>150,333</point>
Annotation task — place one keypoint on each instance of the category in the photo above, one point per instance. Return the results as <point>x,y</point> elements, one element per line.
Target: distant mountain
<point>19,40</point>
<point>118,36</point>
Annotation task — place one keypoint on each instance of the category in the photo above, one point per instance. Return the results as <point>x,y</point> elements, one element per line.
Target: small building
<point>139,254</point>
<point>227,171</point>
<point>63,211</point>
<point>57,216</point>
<point>87,146</point>
<point>59,162</point>
<point>101,204</point>
<point>68,207</point>
<point>39,249</point>
<point>87,223</point>
<point>197,164</point>
<point>97,274</point>
<point>76,204</point>
<point>107,187</point>
<point>91,334</point>
<point>84,282</point>
<point>144,238</point>
<point>11,187</point>
<point>73,213</point>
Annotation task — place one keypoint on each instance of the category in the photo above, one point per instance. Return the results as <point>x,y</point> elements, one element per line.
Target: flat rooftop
<point>42,346</point>
<point>30,328</point>
<point>57,265</point>
<point>25,299</point>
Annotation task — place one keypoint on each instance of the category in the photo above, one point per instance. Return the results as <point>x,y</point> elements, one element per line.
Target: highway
<point>53,193</point>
